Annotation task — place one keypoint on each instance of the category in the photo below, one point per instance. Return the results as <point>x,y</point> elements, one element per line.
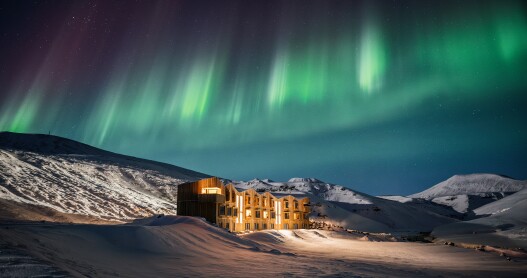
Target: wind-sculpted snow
<point>178,246</point>
<point>71,177</point>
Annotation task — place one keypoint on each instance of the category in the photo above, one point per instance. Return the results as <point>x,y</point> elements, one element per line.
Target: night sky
<point>385,97</point>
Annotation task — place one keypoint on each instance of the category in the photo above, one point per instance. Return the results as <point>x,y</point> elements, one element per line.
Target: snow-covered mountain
<point>47,176</point>
<point>472,184</point>
<point>340,206</point>
<point>465,193</point>
<point>48,173</point>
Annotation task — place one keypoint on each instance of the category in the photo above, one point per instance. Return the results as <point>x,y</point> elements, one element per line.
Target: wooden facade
<point>240,211</point>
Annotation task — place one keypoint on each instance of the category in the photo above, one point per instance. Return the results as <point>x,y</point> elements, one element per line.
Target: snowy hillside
<point>71,177</point>
<point>503,223</point>
<point>337,205</point>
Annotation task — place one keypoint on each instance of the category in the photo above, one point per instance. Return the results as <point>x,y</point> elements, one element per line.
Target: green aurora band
<point>235,79</point>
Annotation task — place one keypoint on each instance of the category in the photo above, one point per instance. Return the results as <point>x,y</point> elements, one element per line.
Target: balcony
<point>211,198</point>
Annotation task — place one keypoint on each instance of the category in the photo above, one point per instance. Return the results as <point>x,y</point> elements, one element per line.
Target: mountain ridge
<point>75,178</point>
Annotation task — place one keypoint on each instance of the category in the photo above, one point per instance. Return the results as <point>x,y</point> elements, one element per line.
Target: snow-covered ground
<point>73,178</point>
<point>186,246</point>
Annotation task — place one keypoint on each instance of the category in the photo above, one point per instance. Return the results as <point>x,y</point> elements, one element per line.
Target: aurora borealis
<point>388,97</point>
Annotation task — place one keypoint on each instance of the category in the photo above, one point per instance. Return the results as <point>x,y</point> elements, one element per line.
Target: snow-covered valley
<point>59,181</point>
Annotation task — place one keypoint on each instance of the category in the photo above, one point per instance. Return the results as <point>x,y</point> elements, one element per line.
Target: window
<point>248,199</point>
<point>222,210</point>
<point>296,216</point>
<point>229,211</point>
<point>286,215</point>
<point>235,212</point>
<point>211,190</point>
<point>286,226</point>
<point>265,201</point>
<point>272,226</point>
<point>296,205</point>
<point>248,213</point>
<point>227,195</point>
<point>295,226</point>
<point>273,214</point>
<point>256,226</point>
<point>264,226</point>
<point>265,214</point>
<point>256,201</point>
<point>257,214</point>
<point>227,226</point>
<point>286,204</point>
<point>247,226</point>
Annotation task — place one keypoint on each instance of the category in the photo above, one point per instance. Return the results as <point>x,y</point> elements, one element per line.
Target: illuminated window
<point>265,201</point>
<point>248,213</point>
<point>296,216</point>
<point>211,190</point>
<point>265,214</point>
<point>286,226</point>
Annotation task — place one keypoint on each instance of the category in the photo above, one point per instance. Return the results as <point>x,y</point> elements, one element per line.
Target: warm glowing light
<point>211,190</point>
